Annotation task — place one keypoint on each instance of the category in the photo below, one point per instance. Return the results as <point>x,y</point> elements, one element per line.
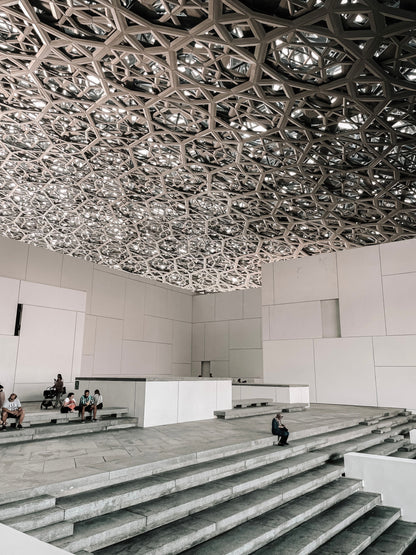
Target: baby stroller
<point>48,395</point>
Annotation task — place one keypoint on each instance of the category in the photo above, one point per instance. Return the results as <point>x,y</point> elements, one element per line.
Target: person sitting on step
<point>280,430</point>
<point>98,399</point>
<point>86,403</point>
<point>12,407</point>
<point>2,396</point>
<point>70,404</point>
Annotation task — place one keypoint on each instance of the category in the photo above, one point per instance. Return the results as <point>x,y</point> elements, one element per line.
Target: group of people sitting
<point>10,407</point>
<point>87,403</point>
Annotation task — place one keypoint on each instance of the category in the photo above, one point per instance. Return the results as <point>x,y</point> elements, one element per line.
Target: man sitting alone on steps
<point>86,403</point>
<point>12,407</point>
<point>278,429</point>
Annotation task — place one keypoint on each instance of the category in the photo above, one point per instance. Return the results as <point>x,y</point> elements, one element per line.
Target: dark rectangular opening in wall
<point>18,322</point>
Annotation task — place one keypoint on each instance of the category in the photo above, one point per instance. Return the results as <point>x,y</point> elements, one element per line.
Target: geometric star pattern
<point>189,141</point>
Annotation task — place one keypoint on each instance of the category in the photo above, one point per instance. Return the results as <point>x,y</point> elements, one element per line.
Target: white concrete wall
<point>345,323</point>
<point>81,318</point>
<point>227,331</point>
<point>394,478</point>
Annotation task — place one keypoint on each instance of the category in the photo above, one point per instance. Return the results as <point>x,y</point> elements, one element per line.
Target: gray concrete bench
<point>251,403</point>
<point>57,417</point>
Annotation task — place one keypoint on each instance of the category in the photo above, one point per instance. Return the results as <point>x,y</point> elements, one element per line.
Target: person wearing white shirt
<point>12,407</point>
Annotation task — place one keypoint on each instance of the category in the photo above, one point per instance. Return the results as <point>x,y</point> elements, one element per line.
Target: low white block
<point>412,436</point>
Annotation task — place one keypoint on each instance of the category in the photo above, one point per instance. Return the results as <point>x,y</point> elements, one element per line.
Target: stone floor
<point>28,465</point>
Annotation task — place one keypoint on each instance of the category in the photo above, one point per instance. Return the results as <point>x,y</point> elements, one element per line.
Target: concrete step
<point>395,540</point>
<point>248,411</point>
<point>26,506</point>
<point>50,431</point>
<point>384,449</point>
<point>362,533</point>
<point>34,520</point>
<point>53,532</point>
<point>240,530</point>
<point>158,512</point>
<point>307,537</point>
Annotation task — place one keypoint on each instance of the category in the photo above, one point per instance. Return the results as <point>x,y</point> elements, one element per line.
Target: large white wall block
<point>44,266</point>
<point>229,306</point>
<point>46,345</point>
<point>203,308</point>
<point>395,350</point>
<point>245,334</point>
<point>8,357</point>
<point>296,320</point>
<point>398,257</point>
<point>360,292</point>
<point>198,342</point>
<point>138,355</point>
<point>156,302</point>
<point>267,284</point>
<point>331,326</point>
<point>180,306</point>
<point>158,330</point>
<point>133,325</point>
<point>306,279</point>
<point>108,337</point>
<point>216,341</point>
<point>400,303</point>
<point>38,294</point>
<point>77,274</point>
<point>108,295</point>
<point>182,336</point>
<point>345,371</point>
<point>290,361</point>
<point>9,294</point>
<point>13,258</point>
<point>396,386</point>
<point>246,363</point>
<point>252,303</point>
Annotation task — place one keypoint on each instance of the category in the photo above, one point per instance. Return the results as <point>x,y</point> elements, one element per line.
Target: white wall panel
<point>216,341</point>
<point>395,350</point>
<point>13,258</point>
<point>246,363</point>
<point>198,342</point>
<point>265,323</point>
<point>165,410</point>
<point>156,302</point>
<point>9,294</point>
<point>229,306</point>
<point>87,366</point>
<point>133,326</point>
<point>396,386</point>
<point>196,399</point>
<point>267,284</point>
<point>139,358</point>
<point>181,306</point>
<point>8,358</point>
<point>245,334</point>
<point>78,343</point>
<point>181,349</point>
<point>195,369</point>
<point>46,344</point>
<point>77,274</point>
<point>290,362</point>
<point>108,295</point>
<point>310,278</point>
<point>345,371</point>
<point>158,330</point>
<point>180,369</point>
<point>49,296</point>
<point>108,337</point>
<point>90,325</point>
<point>360,292</point>
<point>44,266</point>
<point>296,321</point>
<point>203,308</point>
<point>163,359</point>
<point>398,257</point>
<point>330,318</point>
<point>252,303</point>
<point>220,368</point>
<point>400,303</point>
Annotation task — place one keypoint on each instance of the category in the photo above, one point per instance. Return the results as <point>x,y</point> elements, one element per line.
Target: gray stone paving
<point>55,460</point>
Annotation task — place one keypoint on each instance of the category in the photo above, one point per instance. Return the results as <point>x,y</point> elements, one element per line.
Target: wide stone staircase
<point>245,498</point>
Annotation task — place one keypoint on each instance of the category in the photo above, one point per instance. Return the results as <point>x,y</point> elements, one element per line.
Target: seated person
<point>2,396</point>
<point>86,403</point>
<point>70,405</point>
<point>12,407</point>
<point>278,429</point>
<point>98,399</point>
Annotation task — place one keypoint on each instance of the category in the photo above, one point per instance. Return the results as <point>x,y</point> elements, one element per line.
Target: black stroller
<point>48,395</point>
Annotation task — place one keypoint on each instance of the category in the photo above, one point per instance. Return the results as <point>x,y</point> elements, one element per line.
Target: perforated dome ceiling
<point>189,141</point>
